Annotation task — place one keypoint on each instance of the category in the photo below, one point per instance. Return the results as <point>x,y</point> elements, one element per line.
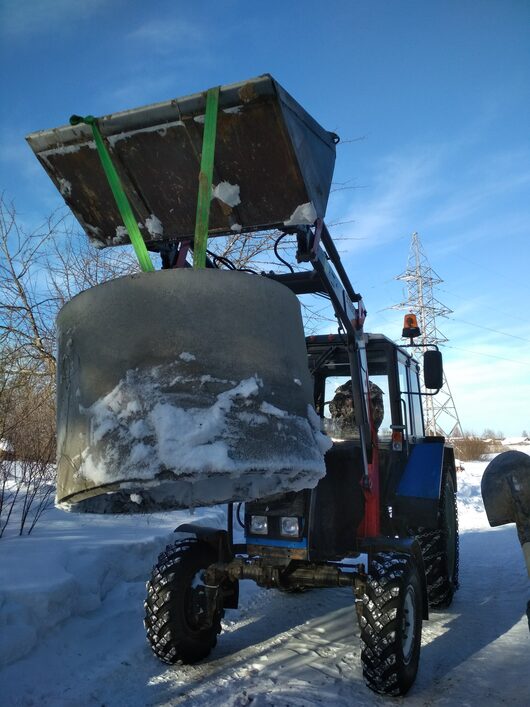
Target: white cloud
<point>20,19</point>
<point>487,180</point>
<point>138,90</point>
<point>161,54</point>
<point>488,372</point>
<point>490,392</point>
<point>168,35</point>
<point>404,181</point>
<point>432,189</point>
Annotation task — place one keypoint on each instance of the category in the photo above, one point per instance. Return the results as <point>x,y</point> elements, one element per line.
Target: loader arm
<point>328,276</point>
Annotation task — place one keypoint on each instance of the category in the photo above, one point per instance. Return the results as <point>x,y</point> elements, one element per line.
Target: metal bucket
<point>273,165</point>
<point>183,387</point>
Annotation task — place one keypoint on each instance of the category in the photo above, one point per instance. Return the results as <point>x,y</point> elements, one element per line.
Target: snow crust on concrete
<point>165,423</point>
<point>304,214</point>
<point>227,193</point>
<point>269,409</point>
<point>198,443</point>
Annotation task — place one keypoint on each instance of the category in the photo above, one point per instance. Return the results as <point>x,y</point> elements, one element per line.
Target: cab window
<point>404,396</point>
<point>410,398</point>
<point>415,399</point>
<point>339,417</point>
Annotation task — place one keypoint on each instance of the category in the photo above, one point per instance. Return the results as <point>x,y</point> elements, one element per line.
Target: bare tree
<point>26,331</point>
<point>42,269</point>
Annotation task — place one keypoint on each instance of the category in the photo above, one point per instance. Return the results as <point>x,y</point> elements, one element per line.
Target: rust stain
<point>247,93</point>
<point>283,552</point>
<point>225,208</point>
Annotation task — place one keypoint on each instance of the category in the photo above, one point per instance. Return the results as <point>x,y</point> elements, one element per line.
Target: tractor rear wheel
<point>440,549</point>
<point>176,607</point>
<point>391,621</point>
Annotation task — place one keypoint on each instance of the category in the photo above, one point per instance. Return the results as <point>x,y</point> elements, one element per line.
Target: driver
<point>342,410</point>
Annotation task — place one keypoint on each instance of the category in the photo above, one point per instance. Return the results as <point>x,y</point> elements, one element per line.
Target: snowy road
<point>277,649</point>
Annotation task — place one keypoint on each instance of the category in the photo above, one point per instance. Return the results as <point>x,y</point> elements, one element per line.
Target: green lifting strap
<point>122,202</point>
<point>205,179</point>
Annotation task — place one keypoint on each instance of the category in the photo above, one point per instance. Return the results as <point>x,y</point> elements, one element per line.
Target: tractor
<point>388,496</point>
<point>380,517</point>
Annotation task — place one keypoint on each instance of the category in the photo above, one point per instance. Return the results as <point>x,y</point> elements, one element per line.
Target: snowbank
<point>71,624</point>
<point>471,513</point>
<point>516,442</point>
<point>70,563</point>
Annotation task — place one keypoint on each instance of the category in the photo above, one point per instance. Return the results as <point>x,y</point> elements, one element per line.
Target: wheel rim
<point>408,624</point>
<point>191,616</point>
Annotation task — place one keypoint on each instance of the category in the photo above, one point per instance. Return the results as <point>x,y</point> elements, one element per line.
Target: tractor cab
<point>337,518</point>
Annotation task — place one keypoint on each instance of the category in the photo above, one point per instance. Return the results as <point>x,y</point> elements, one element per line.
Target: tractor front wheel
<point>390,621</point>
<point>176,613</point>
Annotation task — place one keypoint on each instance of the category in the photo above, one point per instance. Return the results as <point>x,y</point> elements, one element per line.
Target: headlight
<point>289,526</point>
<point>259,525</point>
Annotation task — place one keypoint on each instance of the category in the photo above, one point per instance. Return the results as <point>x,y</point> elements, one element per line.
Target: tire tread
<point>165,627</point>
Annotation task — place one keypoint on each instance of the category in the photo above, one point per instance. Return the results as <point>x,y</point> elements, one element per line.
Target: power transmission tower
<point>441,416</point>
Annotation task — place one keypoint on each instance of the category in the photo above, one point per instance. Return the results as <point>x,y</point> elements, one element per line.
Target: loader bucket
<point>505,490</point>
<point>273,165</point>
<point>183,387</point>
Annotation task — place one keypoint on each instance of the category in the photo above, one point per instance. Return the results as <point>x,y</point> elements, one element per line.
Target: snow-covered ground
<point>71,624</point>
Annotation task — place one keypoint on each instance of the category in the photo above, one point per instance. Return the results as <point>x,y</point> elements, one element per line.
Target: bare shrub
<point>27,429</point>
<point>470,448</point>
<point>40,270</point>
<point>26,491</point>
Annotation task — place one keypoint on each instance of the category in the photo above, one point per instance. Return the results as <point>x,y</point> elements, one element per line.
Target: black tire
<point>440,549</point>
<point>174,631</point>
<point>391,621</point>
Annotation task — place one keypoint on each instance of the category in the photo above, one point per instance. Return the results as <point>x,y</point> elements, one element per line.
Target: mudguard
<point>218,539</point>
<point>215,537</point>
<point>417,499</point>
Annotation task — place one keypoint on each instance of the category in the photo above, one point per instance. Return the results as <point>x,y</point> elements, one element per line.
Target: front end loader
<point>196,385</point>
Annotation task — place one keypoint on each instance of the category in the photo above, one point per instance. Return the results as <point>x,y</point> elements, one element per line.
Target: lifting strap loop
<point>122,202</point>
<point>205,179</point>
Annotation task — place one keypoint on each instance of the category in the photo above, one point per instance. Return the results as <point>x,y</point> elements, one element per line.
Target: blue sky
<point>431,99</point>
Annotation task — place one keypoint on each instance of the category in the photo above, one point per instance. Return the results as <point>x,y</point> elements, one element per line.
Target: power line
<point>495,331</point>
<point>480,353</point>
<point>421,280</point>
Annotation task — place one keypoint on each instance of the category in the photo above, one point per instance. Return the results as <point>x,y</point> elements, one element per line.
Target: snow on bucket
<point>183,387</point>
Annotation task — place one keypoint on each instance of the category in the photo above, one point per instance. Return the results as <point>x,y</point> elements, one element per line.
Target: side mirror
<point>433,370</point>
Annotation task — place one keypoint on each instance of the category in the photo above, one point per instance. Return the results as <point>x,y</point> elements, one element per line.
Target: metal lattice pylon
<point>441,416</point>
